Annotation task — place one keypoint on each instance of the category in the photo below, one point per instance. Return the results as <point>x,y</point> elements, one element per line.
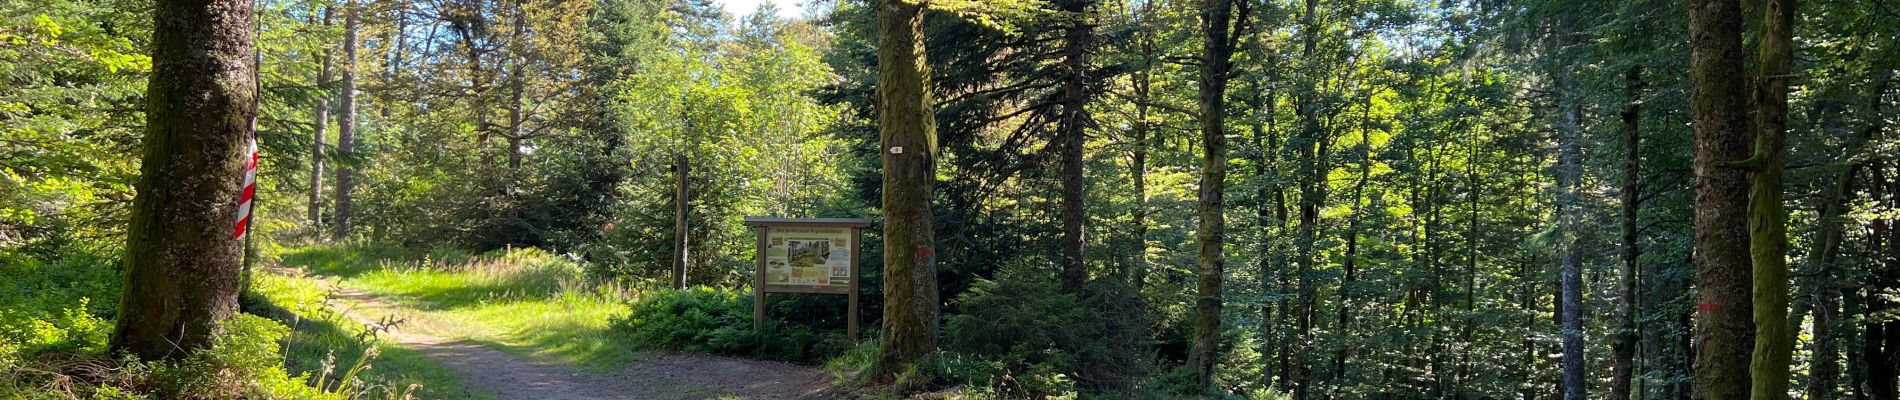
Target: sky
<point>738,8</point>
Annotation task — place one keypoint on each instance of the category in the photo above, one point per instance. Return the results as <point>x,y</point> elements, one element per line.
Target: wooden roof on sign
<point>809,222</point>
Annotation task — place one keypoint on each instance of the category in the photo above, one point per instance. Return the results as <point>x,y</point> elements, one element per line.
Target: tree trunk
<point>682,223</point>
<point>517,83</point>
<point>1071,136</point>
<point>1767,221</point>
<point>1724,329</point>
<point>1569,189</point>
<point>1623,346</point>
<point>1880,348</point>
<point>1217,30</point>
<point>182,254</point>
<point>907,131</point>
<point>322,124</point>
<point>346,124</point>
<point>1311,195</point>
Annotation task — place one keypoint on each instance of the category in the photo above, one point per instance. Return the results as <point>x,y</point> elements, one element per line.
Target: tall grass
<point>524,301</point>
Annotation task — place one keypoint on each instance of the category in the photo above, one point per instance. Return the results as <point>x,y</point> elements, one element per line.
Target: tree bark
<point>1724,328</point>
<point>1071,135</point>
<point>907,131</point>
<point>1218,35</point>
<point>182,254</point>
<point>346,124</point>
<point>1623,346</point>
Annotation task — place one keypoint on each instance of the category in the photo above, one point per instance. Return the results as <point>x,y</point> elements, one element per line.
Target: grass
<point>523,301</point>
<point>325,343</point>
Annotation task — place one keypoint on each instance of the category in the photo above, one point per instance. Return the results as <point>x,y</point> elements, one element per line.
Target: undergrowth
<point>719,321</point>
<point>58,315</point>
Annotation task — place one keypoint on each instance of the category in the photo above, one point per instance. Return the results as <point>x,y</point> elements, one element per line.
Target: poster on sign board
<point>808,256</point>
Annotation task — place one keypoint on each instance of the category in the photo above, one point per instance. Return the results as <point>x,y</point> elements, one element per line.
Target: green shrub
<point>1016,337</point>
<point>719,321</point>
<point>698,319</point>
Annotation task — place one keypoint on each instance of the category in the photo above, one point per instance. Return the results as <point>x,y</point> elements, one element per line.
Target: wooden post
<point>681,199</point>
<point>758,285</point>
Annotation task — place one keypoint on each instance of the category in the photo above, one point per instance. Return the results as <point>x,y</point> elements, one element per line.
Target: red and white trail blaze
<point>250,190</point>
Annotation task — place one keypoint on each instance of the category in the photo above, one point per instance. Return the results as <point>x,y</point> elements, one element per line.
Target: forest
<point>1116,199</point>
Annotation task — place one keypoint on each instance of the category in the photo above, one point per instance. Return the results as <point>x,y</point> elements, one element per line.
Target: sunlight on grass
<point>525,301</point>
<point>323,340</point>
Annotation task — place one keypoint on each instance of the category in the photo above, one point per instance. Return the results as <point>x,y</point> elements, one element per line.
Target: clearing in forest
<point>515,329</point>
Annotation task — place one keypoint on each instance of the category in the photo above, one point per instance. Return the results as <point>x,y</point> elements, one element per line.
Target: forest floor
<point>531,369</point>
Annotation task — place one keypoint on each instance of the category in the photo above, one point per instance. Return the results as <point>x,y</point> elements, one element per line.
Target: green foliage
<point>244,362</point>
<point>712,320</point>
<point>58,306</point>
<point>58,315</point>
<point>1017,336</point>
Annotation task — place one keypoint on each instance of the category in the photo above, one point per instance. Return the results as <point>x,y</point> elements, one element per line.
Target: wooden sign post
<point>807,255</point>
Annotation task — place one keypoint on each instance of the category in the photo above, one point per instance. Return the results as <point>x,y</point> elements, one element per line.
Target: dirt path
<point>652,376</point>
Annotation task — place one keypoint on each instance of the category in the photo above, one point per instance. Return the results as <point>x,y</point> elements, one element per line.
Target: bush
<point>719,321</point>
<point>244,362</point>
<point>1017,337</point>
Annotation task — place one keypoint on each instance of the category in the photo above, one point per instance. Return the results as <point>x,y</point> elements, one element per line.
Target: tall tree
<point>1071,134</point>
<point>182,251</point>
<point>1724,335</point>
<point>346,124</point>
<point>907,132</point>
<point>319,126</point>
<point>1767,221</point>
<point>1310,147</point>
<point>1222,22</point>
<point>1623,343</point>
<point>1570,257</point>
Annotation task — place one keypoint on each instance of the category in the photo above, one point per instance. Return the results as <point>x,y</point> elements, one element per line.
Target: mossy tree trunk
<point>182,253</point>
<point>1219,33</point>
<point>908,133</point>
<point>1767,220</point>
